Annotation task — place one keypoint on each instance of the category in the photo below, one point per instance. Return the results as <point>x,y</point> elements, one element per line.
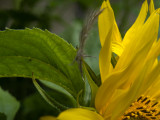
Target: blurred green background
<point>65,18</point>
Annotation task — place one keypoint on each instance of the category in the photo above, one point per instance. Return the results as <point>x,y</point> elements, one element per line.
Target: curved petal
<point>146,34</point>
<point>105,22</point>
<point>138,23</point>
<point>75,114</point>
<point>79,114</point>
<point>154,52</point>
<point>117,48</point>
<point>105,58</point>
<point>116,40</point>
<point>151,7</point>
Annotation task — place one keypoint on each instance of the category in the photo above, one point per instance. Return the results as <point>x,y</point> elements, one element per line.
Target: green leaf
<point>3,116</point>
<point>65,100</point>
<point>90,88</point>
<point>62,96</point>
<point>41,53</point>
<point>92,74</point>
<point>8,105</point>
<point>56,105</point>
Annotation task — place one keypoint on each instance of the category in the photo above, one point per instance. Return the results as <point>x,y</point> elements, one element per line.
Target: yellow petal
<point>151,7</point>
<point>105,23</point>
<point>48,118</point>
<point>154,71</point>
<point>154,90</point>
<point>137,89</point>
<point>75,114</point>
<point>146,34</point>
<point>149,33</point>
<point>105,57</point>
<point>117,46</point>
<point>105,19</point>
<point>106,90</point>
<point>79,114</point>
<point>133,57</point>
<point>146,77</point>
<point>110,39</point>
<point>138,23</point>
<point>116,34</point>
<point>143,81</point>
<point>118,93</point>
<point>154,52</point>
<point>110,85</point>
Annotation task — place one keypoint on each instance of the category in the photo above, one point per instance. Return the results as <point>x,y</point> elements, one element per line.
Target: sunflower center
<point>143,108</point>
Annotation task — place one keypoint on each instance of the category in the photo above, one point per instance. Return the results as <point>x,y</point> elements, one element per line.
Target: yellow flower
<point>130,90</point>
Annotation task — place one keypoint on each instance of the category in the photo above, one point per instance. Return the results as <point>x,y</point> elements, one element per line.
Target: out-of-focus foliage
<point>66,18</point>
<point>3,116</point>
<point>34,106</point>
<point>8,105</point>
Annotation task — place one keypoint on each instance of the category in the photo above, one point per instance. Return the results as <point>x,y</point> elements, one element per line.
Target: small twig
<point>83,36</point>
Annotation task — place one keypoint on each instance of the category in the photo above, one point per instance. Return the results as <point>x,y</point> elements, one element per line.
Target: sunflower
<point>130,89</point>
